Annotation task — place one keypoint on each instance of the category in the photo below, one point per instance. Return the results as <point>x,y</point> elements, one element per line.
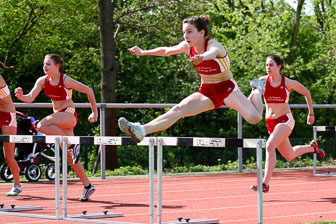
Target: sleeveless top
<point>279,94</point>
<point>213,66</point>
<point>58,92</point>
<point>4,91</point>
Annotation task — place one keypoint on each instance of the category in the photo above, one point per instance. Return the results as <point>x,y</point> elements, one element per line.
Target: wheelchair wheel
<point>5,173</point>
<point>50,171</point>
<point>33,172</point>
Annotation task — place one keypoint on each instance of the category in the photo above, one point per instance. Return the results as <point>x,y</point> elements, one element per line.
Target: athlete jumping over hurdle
<point>8,126</point>
<point>218,86</point>
<point>279,119</point>
<point>58,87</point>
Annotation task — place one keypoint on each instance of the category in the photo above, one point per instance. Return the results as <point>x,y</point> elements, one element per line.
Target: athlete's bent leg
<point>290,153</point>
<point>238,102</point>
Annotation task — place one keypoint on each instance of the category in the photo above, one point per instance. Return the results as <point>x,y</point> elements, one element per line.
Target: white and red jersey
<point>213,66</point>
<point>279,94</point>
<point>58,92</point>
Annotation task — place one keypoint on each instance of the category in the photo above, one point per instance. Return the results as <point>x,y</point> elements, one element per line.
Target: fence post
<point>102,133</point>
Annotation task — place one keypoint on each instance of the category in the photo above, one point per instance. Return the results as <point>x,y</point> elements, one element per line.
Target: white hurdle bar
<point>322,129</point>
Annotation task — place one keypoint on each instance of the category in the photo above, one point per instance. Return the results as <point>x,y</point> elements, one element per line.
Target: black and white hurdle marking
<point>322,129</point>
<point>148,141</point>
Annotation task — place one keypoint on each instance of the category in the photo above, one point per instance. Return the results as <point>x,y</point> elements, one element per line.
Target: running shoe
<point>16,190</point>
<point>132,129</point>
<point>265,188</point>
<point>317,149</point>
<point>258,84</point>
<point>75,153</point>
<point>87,193</point>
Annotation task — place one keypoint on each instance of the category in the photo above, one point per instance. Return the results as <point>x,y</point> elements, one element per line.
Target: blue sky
<point>308,6</point>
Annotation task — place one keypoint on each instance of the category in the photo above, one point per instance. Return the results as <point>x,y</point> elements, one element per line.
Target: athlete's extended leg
<point>194,104</point>
<point>278,137</point>
<point>251,112</point>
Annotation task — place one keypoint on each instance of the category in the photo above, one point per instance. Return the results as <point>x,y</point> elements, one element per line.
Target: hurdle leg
<point>159,182</point>
<point>57,178</point>
<point>65,173</point>
<point>314,155</point>
<point>151,179</point>
<point>259,182</point>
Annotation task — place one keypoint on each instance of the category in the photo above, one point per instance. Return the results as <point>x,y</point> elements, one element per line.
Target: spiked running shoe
<point>75,153</point>
<point>317,149</point>
<point>16,190</point>
<point>258,84</point>
<point>132,129</point>
<point>87,193</point>
<point>265,188</point>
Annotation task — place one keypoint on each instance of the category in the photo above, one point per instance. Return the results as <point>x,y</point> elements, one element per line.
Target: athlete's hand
<point>198,58</point>
<point>310,119</point>
<point>18,93</point>
<point>135,50</point>
<point>93,117</point>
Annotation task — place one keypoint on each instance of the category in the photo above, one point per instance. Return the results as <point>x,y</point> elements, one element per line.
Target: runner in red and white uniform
<point>279,119</point>
<point>58,87</point>
<point>218,86</point>
<point>8,127</point>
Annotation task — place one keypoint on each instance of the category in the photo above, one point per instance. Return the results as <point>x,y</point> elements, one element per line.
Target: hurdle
<point>321,129</point>
<point>198,142</point>
<point>15,210</point>
<point>151,142</point>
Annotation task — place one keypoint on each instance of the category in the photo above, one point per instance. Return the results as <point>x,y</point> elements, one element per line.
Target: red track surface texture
<point>294,197</point>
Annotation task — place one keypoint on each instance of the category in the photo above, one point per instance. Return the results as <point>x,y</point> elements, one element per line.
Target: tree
<point>296,30</point>
<point>109,69</point>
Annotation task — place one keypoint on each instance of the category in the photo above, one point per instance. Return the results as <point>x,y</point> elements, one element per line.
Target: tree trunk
<point>109,68</point>
<point>296,30</point>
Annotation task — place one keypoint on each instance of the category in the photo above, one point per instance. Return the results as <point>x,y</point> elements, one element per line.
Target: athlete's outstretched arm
<point>28,98</point>
<point>161,51</point>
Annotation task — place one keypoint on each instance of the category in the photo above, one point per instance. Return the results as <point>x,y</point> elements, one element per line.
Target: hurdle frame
<point>148,141</point>
<point>317,129</point>
<point>200,142</point>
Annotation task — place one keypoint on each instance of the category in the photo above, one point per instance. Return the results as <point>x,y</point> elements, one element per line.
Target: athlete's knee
<point>270,146</point>
<point>289,157</point>
<point>41,125</point>
<point>254,118</point>
<point>177,112</point>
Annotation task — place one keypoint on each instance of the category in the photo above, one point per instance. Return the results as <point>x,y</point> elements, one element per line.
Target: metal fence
<point>103,106</point>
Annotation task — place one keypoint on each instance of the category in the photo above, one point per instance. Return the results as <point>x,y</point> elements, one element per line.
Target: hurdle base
<point>325,175</point>
<point>21,208</point>
<point>195,221</point>
<point>97,215</point>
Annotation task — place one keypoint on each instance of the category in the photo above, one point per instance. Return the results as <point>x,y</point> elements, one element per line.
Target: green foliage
<point>250,30</point>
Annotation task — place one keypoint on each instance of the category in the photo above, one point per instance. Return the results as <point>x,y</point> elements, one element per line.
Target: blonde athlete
<point>58,87</point>
<point>279,119</point>
<point>218,86</point>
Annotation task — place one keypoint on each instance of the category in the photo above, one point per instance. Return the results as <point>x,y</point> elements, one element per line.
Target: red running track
<point>294,197</point>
